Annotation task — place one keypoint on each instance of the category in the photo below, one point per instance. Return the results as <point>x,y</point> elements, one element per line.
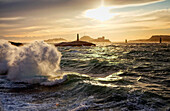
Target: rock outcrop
<point>75,43</point>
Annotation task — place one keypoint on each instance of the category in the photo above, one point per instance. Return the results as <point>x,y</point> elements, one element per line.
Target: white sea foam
<point>32,63</point>
<point>6,51</point>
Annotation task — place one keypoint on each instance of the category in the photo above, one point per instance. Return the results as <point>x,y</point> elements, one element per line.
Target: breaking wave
<point>37,62</point>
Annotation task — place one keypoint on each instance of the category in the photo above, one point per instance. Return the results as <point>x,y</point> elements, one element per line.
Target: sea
<point>117,77</point>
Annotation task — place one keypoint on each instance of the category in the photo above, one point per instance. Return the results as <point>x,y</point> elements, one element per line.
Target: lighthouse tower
<point>77,37</point>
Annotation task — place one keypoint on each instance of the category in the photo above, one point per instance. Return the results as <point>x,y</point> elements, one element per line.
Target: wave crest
<point>30,63</point>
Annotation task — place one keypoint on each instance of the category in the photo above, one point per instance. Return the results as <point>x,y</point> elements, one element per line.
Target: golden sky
<point>29,20</point>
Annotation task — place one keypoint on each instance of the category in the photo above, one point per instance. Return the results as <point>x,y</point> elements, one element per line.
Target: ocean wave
<point>138,80</point>
<point>82,92</point>
<point>32,63</point>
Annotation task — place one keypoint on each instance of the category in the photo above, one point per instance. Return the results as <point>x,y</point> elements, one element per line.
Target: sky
<point>117,20</point>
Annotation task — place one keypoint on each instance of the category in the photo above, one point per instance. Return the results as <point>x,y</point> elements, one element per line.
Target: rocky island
<point>75,43</point>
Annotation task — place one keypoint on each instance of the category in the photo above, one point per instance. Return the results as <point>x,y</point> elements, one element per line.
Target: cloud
<point>130,2</point>
<point>11,18</point>
<point>158,15</point>
<point>25,38</point>
<point>33,17</point>
<point>58,8</point>
<point>157,19</point>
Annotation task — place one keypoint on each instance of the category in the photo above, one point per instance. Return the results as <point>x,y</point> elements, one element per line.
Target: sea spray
<point>32,63</point>
<point>6,52</point>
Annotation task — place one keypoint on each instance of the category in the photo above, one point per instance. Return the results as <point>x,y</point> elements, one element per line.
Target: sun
<point>102,13</point>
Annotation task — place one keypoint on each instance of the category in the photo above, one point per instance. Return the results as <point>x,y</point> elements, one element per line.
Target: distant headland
<point>153,39</point>
<point>55,40</point>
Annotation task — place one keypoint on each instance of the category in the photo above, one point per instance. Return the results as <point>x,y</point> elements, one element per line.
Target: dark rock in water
<point>75,43</point>
<point>16,43</point>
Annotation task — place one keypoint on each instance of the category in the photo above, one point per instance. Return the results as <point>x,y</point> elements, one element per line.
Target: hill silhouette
<point>154,38</point>
<point>157,37</point>
<point>86,38</point>
<point>55,40</point>
<point>90,39</point>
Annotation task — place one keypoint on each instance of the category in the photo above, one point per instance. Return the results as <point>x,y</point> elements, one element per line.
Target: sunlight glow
<point>102,13</point>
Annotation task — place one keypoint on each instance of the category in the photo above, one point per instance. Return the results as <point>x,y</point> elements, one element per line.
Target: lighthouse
<point>77,37</point>
<point>160,40</point>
